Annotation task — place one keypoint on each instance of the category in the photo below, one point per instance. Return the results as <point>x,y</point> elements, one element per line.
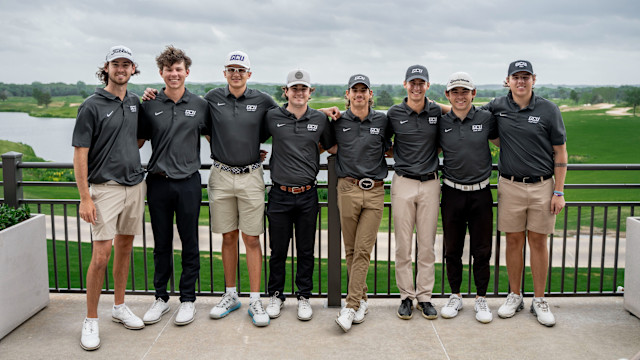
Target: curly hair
<point>103,76</point>
<point>172,55</point>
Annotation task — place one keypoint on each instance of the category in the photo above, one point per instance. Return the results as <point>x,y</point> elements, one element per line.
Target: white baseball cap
<point>238,58</point>
<point>119,52</point>
<point>460,79</point>
<point>298,76</point>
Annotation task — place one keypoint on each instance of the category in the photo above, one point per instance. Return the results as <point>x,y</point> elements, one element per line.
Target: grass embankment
<point>383,271</point>
<point>60,106</point>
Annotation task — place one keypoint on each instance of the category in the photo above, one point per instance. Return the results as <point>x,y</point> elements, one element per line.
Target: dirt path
<point>620,111</point>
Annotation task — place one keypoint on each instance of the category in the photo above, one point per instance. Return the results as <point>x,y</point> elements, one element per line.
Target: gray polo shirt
<point>174,130</point>
<point>295,157</point>
<point>361,145</point>
<point>108,126</point>
<point>236,125</point>
<point>465,145</point>
<point>527,135</point>
<point>416,138</point>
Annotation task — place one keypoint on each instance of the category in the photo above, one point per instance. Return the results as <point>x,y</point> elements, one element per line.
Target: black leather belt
<point>429,176</point>
<point>527,179</point>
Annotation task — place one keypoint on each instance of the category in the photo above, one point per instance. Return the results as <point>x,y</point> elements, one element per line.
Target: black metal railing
<point>584,252</point>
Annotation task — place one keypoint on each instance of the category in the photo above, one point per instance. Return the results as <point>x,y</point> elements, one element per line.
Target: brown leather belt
<point>295,189</point>
<point>365,183</point>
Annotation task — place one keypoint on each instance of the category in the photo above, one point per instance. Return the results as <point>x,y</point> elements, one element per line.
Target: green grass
<point>382,272</point>
<point>60,106</point>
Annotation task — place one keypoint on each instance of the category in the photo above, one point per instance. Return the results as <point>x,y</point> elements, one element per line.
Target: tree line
<point>384,93</point>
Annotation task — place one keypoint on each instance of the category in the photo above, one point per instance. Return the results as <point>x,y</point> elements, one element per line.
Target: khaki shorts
<point>236,201</point>
<point>525,206</point>
<point>119,209</point>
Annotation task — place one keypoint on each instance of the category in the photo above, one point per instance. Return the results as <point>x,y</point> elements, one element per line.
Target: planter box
<point>632,267</point>
<point>24,273</point>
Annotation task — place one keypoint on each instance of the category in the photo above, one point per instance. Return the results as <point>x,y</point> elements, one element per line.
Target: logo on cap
<point>299,75</point>
<point>520,64</point>
<point>359,77</point>
<point>416,71</point>
<point>236,57</point>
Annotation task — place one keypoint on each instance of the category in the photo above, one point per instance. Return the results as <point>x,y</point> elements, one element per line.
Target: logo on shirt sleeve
<point>133,108</point>
<point>374,131</point>
<point>312,127</point>
<point>476,128</point>
<point>433,120</point>
<point>252,107</point>
<point>534,119</point>
<point>191,113</point>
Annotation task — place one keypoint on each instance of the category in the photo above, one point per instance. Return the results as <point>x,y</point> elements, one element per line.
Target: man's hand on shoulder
<point>149,94</point>
<point>333,112</point>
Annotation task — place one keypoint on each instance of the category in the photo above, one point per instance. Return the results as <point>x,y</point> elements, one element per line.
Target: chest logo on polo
<point>374,131</point>
<point>476,128</point>
<point>109,114</point>
<point>133,108</point>
<point>252,107</point>
<point>158,113</point>
<point>403,122</point>
<point>433,120</point>
<point>191,113</point>
<point>447,130</point>
<point>534,119</point>
<point>280,125</point>
<point>346,129</point>
<point>220,104</point>
<point>312,127</point>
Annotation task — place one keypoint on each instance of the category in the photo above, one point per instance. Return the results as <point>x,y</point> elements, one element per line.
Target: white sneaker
<point>345,319</point>
<point>125,316</point>
<point>257,313</point>
<point>450,310</point>
<point>483,313</point>
<point>275,304</point>
<point>186,313</point>
<point>227,304</point>
<point>155,312</point>
<point>513,304</point>
<point>305,312</point>
<point>90,339</point>
<point>540,308</point>
<point>362,311</point>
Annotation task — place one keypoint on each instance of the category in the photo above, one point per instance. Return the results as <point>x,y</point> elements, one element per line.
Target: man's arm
<point>560,173</point>
<point>81,171</point>
<point>333,150</point>
<point>141,142</point>
<point>149,94</point>
<point>332,112</point>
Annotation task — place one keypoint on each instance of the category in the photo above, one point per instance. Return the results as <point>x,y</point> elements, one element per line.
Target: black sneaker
<point>404,311</point>
<point>428,311</point>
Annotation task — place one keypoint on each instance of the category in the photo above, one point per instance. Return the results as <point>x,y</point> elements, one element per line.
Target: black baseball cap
<point>359,79</point>
<point>416,72</point>
<point>520,65</point>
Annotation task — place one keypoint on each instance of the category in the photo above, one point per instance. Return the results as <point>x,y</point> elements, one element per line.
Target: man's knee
<point>251,242</point>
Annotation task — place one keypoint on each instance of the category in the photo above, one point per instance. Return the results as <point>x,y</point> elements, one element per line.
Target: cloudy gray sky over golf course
<point>573,42</point>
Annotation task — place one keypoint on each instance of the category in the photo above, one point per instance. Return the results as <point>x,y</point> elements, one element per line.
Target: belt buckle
<point>466,188</point>
<point>245,169</point>
<point>524,179</point>
<point>297,190</point>
<point>366,183</point>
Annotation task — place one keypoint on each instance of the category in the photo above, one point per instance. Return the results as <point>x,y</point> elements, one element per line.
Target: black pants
<point>459,210</point>
<point>286,211</point>
<point>167,197</point>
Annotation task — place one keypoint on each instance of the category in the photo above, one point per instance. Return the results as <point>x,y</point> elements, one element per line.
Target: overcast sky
<point>591,42</point>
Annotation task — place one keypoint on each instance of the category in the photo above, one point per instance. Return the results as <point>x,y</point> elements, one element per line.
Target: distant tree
<point>3,95</point>
<point>574,96</point>
<point>384,99</point>
<point>632,97</point>
<point>45,99</point>
<point>37,93</point>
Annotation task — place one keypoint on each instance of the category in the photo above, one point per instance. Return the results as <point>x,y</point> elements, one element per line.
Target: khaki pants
<point>415,205</point>
<point>360,215</point>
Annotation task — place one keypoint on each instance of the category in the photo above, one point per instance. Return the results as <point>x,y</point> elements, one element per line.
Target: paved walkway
<point>588,328</point>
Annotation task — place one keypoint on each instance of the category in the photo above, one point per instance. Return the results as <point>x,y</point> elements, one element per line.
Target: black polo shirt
<point>295,157</point>
<point>527,135</point>
<point>416,138</point>
<point>174,130</point>
<point>236,125</point>
<point>361,145</point>
<point>108,126</point>
<point>465,145</point>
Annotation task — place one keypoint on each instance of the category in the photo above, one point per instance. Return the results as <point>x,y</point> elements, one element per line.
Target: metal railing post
<point>12,177</point>
<point>334,262</point>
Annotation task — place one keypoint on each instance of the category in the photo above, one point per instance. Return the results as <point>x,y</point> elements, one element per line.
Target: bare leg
<point>121,257</point>
<point>95,275</point>
<point>254,260</point>
<point>539,258</point>
<point>230,257</point>
<point>515,261</point>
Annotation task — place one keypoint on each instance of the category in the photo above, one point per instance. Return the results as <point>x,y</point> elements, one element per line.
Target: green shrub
<point>10,216</point>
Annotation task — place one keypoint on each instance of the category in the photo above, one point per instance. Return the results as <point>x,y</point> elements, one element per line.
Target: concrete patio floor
<point>587,328</point>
